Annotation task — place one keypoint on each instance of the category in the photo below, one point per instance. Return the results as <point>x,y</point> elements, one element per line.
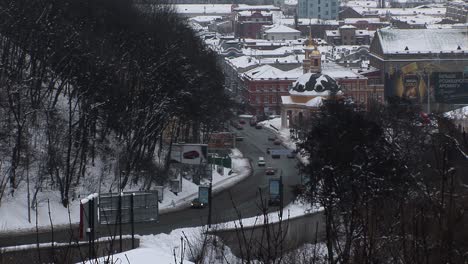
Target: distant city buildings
<point>321,9</point>
<point>263,53</point>
<point>458,11</point>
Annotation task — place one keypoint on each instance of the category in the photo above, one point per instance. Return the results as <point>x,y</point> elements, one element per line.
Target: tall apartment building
<point>322,9</point>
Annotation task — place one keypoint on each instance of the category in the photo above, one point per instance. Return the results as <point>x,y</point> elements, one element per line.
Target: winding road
<point>244,195</point>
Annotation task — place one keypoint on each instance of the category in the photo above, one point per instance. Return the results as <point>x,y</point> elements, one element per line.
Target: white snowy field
<point>14,210</point>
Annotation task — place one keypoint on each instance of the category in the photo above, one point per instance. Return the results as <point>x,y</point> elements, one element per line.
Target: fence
<point>119,208</point>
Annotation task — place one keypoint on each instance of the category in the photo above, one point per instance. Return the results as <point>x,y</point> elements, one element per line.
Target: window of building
<point>333,3</point>
<point>326,12</point>
<point>319,2</point>
<point>315,62</point>
<point>273,99</point>
<point>319,9</point>
<point>265,99</point>
<point>326,5</point>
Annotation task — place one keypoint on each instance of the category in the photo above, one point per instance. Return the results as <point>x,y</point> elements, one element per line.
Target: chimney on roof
<point>459,48</point>
<point>406,48</point>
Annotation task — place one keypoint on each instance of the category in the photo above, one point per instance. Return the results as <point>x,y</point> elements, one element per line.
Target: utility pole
<point>429,92</point>
<point>210,200</point>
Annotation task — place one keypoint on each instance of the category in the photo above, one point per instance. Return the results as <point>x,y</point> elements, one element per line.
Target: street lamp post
<point>428,92</point>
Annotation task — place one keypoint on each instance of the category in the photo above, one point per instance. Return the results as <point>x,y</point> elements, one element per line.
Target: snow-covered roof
<point>242,62</point>
<point>267,72</point>
<point>204,19</point>
<point>307,21</point>
<point>281,29</point>
<point>284,60</point>
<point>369,20</point>
<point>271,53</point>
<point>418,19</point>
<point>363,3</point>
<point>314,102</point>
<point>256,7</point>
<point>347,27</point>
<point>423,40</point>
<point>338,72</point>
<point>438,11</point>
<point>248,13</point>
<point>201,8</point>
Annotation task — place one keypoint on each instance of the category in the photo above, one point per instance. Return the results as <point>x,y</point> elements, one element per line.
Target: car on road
<point>268,150</point>
<point>191,154</point>
<point>242,121</point>
<point>291,155</point>
<point>253,122</point>
<point>258,126</point>
<point>239,138</point>
<point>271,137</point>
<point>261,161</point>
<point>196,203</point>
<point>277,141</point>
<point>270,171</point>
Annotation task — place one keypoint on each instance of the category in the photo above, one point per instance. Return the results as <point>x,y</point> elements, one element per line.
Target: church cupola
<point>313,59</point>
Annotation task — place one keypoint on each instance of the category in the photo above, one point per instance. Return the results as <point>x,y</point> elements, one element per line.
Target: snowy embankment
<point>163,246</point>
<point>14,210</point>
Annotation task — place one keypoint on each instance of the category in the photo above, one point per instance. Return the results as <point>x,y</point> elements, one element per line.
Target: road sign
<point>115,207</point>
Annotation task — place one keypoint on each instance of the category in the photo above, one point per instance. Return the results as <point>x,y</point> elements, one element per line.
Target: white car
<point>261,161</point>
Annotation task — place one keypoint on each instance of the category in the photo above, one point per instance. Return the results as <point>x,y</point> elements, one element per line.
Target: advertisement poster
<point>417,81</point>
<point>203,194</point>
<point>274,187</point>
<point>189,153</point>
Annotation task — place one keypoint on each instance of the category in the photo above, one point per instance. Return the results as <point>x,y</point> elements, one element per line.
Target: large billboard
<point>451,87</point>
<point>189,153</point>
<point>417,81</point>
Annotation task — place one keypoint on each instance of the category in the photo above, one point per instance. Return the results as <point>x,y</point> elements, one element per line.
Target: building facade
<point>321,9</point>
<point>264,86</point>
<point>458,11</point>
<point>348,35</point>
<point>426,66</point>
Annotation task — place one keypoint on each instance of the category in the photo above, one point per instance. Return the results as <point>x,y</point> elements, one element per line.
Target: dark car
<point>197,204</point>
<point>271,137</point>
<point>268,150</point>
<point>242,121</point>
<point>191,154</point>
<point>291,155</point>
<point>270,171</point>
<point>277,142</point>
<point>258,126</point>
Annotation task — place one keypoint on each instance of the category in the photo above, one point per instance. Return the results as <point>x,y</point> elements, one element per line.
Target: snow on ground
<point>14,212</point>
<point>162,246</point>
<point>240,170</point>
